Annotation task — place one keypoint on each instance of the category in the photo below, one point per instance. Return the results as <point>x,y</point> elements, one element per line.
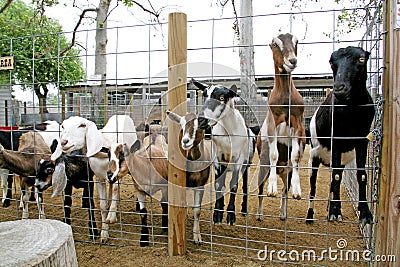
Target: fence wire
<point>141,94</point>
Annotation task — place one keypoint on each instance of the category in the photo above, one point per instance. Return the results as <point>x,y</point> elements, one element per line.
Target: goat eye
<point>82,125</point>
<point>221,98</point>
<point>361,60</point>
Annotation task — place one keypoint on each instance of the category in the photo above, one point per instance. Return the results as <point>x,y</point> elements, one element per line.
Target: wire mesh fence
<point>141,94</point>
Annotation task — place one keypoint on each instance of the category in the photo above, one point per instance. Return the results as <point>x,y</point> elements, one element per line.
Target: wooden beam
<point>388,229</point>
<point>177,72</point>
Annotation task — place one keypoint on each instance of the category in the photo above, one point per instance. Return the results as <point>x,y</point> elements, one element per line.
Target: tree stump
<point>36,243</point>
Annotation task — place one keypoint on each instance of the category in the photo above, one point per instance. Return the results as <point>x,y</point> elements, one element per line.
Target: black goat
<point>344,131</point>
<point>77,172</point>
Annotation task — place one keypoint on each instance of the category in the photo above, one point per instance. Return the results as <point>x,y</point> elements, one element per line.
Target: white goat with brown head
<point>80,133</point>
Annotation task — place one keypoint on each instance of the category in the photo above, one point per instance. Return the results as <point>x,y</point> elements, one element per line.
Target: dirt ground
<point>223,245</point>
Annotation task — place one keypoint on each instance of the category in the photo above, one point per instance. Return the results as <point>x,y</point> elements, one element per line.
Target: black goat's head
<point>349,66</point>
<point>44,174</point>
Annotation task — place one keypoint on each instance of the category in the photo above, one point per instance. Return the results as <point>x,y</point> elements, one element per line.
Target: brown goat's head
<point>190,132</point>
<point>284,51</point>
<point>117,167</point>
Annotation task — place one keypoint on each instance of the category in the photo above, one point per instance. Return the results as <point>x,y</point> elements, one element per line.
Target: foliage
<point>35,41</point>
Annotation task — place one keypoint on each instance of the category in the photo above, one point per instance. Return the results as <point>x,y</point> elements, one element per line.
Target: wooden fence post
<point>388,229</point>
<point>177,72</point>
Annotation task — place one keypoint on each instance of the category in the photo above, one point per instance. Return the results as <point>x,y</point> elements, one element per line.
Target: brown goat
<point>198,163</point>
<point>24,162</point>
<point>148,167</point>
<point>281,140</point>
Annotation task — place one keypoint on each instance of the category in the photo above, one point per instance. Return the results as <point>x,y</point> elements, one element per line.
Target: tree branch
<point>152,12</point>
<point>6,5</point>
<point>81,17</point>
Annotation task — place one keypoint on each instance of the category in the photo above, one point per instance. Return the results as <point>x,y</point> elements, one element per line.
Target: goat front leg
<point>245,175</point>
<point>361,155</point>
<point>114,193</point>
<point>295,159</point>
<point>220,176</point>
<point>285,190</point>
<point>144,236</point>
<point>40,205</point>
<point>262,175</point>
<point>231,217</point>
<point>272,188</point>
<point>102,190</point>
<point>314,165</point>
<point>88,203</point>
<point>24,198</point>
<point>6,185</point>
<point>164,207</point>
<point>198,198</point>
<point>335,206</point>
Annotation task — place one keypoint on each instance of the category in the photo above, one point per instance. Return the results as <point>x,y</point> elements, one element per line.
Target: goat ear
<point>54,145</point>
<point>233,91</point>
<point>173,116</point>
<point>57,152</point>
<point>135,147</point>
<point>126,151</point>
<point>94,139</point>
<point>199,85</point>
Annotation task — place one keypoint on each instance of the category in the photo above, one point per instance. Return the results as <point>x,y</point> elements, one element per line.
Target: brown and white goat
<point>148,167</point>
<point>282,137</point>
<point>198,162</point>
<point>31,150</point>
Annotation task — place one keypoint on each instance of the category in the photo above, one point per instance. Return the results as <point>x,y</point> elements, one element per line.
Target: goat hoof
<point>112,217</point>
<point>104,237</point>
<point>144,241</point>
<point>197,238</point>
<point>231,218</point>
<point>296,196</point>
<point>217,216</point>
<point>6,203</point>
<point>272,194</point>
<point>259,217</point>
<point>310,216</point>
<point>282,217</point>
<point>365,215</point>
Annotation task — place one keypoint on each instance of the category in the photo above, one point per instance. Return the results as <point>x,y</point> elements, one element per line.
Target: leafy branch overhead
<point>35,42</point>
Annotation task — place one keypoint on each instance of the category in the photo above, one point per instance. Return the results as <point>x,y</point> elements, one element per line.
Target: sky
<point>137,51</point>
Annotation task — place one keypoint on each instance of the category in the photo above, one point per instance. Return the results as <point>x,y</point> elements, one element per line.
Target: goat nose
<point>185,140</point>
<point>64,142</point>
<point>293,61</point>
<point>339,86</point>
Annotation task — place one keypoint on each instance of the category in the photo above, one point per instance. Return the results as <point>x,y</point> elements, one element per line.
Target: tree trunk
<point>101,60</point>
<point>246,54</point>
<point>37,243</point>
<point>42,99</point>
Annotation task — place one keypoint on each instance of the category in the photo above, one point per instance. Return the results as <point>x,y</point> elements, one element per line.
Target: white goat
<point>234,145</point>
<point>80,133</point>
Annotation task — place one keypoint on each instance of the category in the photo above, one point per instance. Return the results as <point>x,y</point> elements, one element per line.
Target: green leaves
<point>36,42</point>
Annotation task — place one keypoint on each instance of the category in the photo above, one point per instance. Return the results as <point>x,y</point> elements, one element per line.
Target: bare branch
<point>152,12</point>
<point>6,6</point>
<point>81,17</point>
